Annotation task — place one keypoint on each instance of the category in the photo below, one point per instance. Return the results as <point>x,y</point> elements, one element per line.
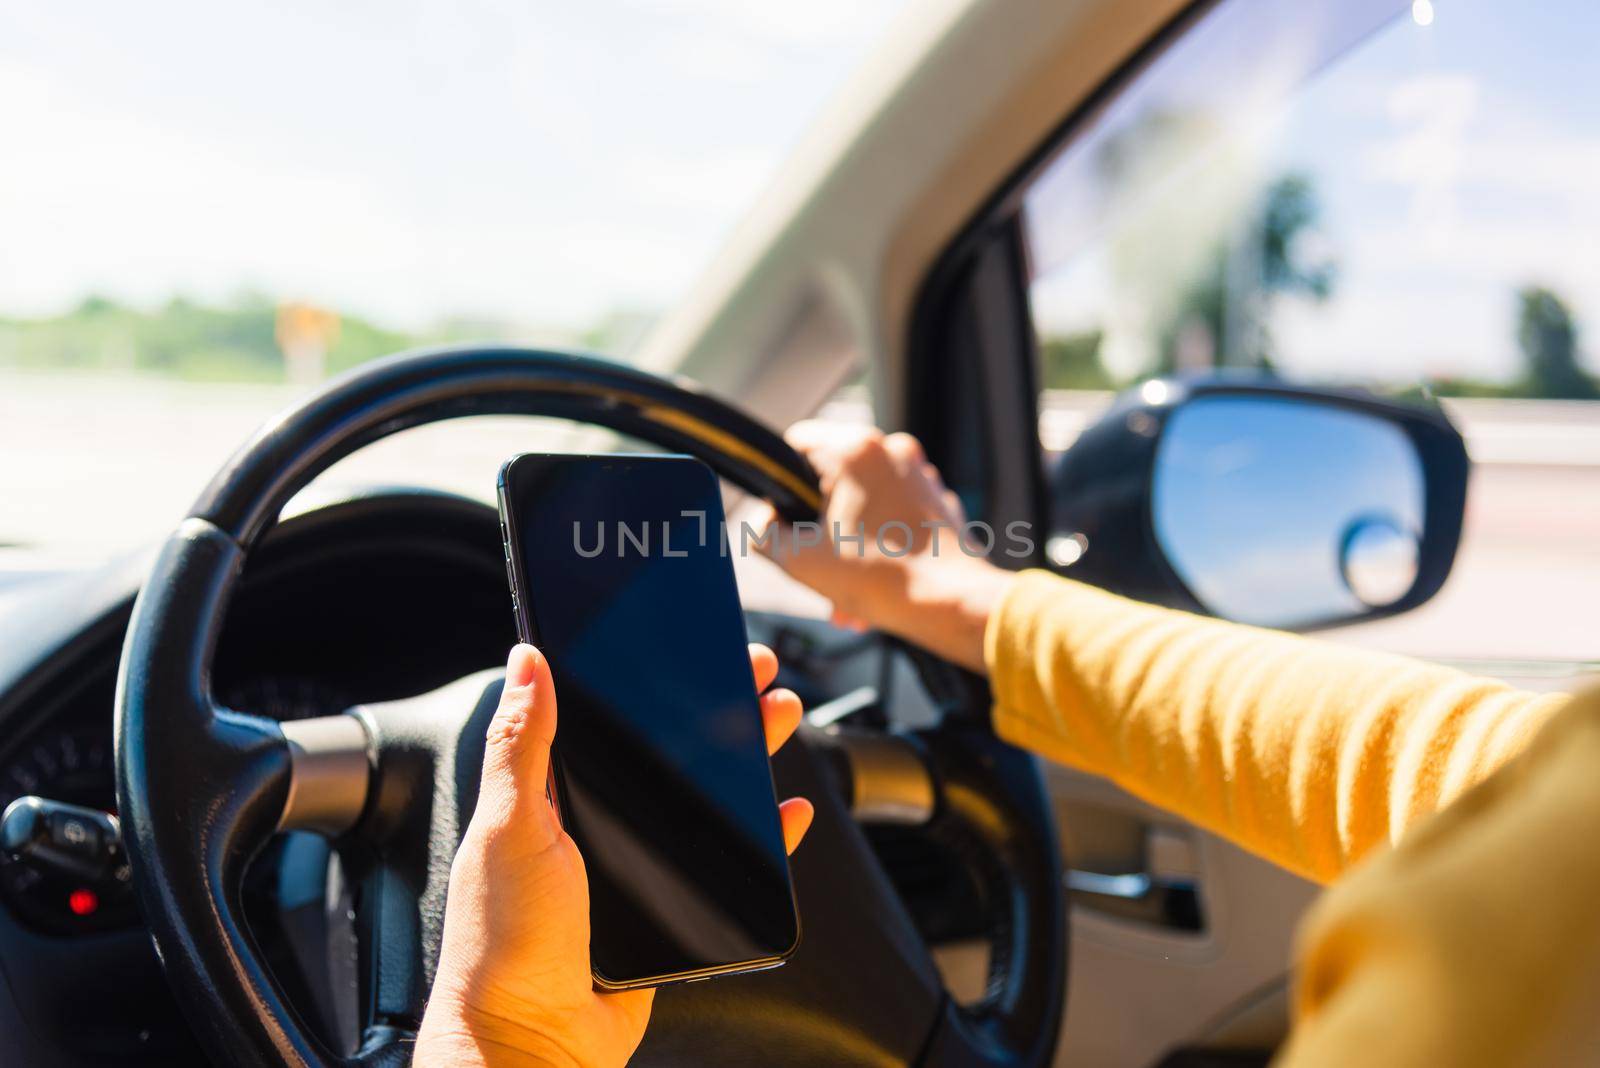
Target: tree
<point>1290,210</point>
<point>1549,342</point>
<point>1222,318</point>
<point>1072,361</point>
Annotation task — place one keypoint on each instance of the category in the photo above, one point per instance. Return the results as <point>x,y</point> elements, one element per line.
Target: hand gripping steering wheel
<point>202,788</point>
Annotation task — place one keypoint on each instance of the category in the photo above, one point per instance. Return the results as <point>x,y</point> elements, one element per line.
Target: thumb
<point>516,756</point>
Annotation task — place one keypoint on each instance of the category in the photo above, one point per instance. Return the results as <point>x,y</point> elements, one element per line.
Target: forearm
<point>1306,752</point>
<point>1476,942</point>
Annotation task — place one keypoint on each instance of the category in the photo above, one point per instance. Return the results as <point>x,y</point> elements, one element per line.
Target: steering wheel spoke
<point>426,753</point>
<point>393,975</point>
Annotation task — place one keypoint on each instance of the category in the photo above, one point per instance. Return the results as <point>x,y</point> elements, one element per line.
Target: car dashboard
<point>368,599</point>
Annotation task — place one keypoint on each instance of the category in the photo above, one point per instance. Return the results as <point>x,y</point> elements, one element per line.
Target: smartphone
<point>621,574</point>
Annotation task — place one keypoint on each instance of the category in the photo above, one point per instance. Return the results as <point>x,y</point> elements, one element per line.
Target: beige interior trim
<point>1083,55</point>
<point>957,98</point>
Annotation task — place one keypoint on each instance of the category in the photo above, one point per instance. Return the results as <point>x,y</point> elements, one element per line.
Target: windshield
<point>208,209</point>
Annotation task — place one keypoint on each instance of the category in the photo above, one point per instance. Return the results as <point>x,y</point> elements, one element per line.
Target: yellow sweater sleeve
<point>1476,942</point>
<point>1307,753</point>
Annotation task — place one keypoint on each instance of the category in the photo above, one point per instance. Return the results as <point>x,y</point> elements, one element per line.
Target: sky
<point>531,162</point>
<point>1454,162</point>
<point>543,164</point>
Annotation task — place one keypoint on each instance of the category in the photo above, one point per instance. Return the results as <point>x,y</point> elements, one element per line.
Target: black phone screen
<point>625,582</point>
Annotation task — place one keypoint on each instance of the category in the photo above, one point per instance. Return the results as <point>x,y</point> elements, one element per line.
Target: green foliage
<point>1548,338</point>
<point>618,331</point>
<point>236,341</point>
<point>1549,342</point>
<point>1225,308</point>
<point>360,341</point>
<point>191,340</point>
<point>1452,387</point>
<point>1289,210</point>
<point>1072,361</point>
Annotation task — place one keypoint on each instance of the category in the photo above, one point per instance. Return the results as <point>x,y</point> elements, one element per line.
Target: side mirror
<point>1262,502</point>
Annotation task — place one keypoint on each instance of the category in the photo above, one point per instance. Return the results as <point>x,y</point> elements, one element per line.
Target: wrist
<point>944,603</point>
<point>467,1049</point>
<point>453,1033</point>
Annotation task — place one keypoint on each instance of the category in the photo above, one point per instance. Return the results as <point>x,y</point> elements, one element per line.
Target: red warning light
<point>83,902</point>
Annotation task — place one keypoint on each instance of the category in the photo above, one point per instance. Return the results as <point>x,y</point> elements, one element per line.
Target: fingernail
<point>520,665</point>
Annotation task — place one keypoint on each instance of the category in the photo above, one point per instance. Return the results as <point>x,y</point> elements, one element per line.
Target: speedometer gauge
<point>70,765</point>
<point>284,697</point>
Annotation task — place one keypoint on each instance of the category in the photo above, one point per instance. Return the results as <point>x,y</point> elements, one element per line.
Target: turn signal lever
<point>77,842</point>
<point>63,865</point>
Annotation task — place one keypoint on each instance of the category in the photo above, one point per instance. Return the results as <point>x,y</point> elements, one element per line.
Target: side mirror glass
<point>1262,502</point>
<point>1282,512</point>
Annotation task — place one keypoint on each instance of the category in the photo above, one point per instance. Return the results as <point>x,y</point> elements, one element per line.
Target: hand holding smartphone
<point>620,573</point>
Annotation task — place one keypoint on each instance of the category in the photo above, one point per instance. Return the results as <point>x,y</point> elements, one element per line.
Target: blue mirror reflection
<point>1284,512</point>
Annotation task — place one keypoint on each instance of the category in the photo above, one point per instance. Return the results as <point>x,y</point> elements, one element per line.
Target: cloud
<point>810,24</point>
<point>527,162</point>
<point>1427,155</point>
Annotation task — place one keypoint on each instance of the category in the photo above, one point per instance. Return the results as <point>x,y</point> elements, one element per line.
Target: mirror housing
<point>1262,502</point>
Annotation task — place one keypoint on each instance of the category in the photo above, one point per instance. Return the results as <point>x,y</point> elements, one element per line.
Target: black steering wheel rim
<point>201,788</point>
<point>432,385</point>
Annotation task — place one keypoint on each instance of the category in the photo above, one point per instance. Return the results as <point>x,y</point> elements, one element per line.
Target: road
<point>91,465</point>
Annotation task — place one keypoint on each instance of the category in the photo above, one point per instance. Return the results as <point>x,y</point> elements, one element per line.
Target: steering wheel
<point>202,788</point>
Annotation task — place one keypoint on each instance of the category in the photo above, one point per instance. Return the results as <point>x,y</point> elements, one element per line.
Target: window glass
<point>207,209</point>
<point>1400,195</point>
<point>1371,191</point>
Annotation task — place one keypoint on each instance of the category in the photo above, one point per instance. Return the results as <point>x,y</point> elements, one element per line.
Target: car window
<point>1397,195</point>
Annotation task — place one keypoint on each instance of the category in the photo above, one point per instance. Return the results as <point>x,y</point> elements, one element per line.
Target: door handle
<point>1129,886</point>
<point>1166,893</point>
